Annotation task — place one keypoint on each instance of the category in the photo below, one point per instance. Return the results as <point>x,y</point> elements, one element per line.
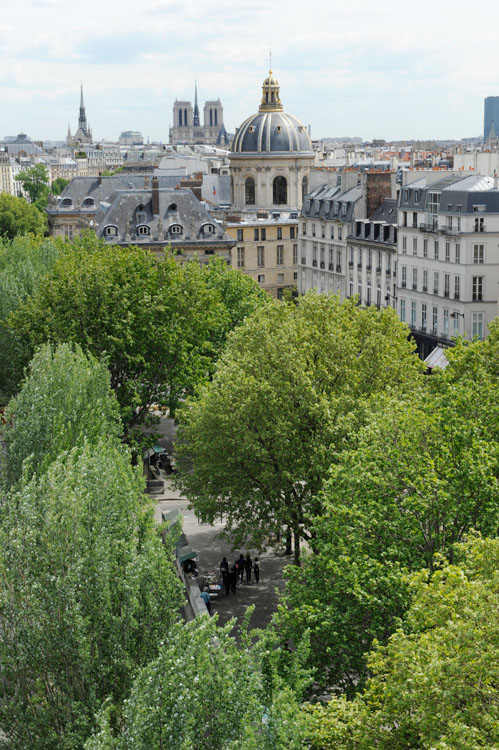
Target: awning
<point>437,358</point>
<point>170,516</point>
<point>186,553</point>
<point>156,449</point>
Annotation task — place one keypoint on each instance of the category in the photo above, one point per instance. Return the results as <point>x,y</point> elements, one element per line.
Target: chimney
<point>146,182</point>
<point>155,196</point>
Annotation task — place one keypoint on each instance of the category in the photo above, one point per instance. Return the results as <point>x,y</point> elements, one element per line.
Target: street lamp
<point>392,296</point>
<point>455,314</point>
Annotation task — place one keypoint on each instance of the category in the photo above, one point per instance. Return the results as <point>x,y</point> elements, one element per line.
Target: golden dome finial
<point>271,101</point>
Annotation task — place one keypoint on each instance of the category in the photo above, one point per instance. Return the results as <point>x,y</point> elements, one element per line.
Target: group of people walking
<point>232,574</point>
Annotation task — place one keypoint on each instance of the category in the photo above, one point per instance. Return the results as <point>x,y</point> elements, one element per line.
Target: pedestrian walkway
<point>203,538</point>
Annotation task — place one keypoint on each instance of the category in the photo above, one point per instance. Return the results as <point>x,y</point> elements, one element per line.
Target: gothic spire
<point>196,108</point>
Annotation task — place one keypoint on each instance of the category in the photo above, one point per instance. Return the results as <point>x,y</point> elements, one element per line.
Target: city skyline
<point>383,72</point>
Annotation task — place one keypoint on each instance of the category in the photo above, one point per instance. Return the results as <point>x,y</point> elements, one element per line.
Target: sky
<point>384,69</point>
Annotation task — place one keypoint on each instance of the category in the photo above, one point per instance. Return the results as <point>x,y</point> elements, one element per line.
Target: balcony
<point>395,273</point>
<point>435,290</point>
<point>388,272</point>
<point>425,287</point>
<point>331,266</point>
<point>359,265</point>
<point>403,284</point>
<point>323,265</point>
<point>303,261</point>
<point>378,269</point>
<point>369,267</point>
<point>428,228</point>
<point>338,269</point>
<point>446,293</point>
<point>414,286</point>
<point>451,231</point>
<point>350,263</point>
<point>456,295</point>
<point>314,263</point>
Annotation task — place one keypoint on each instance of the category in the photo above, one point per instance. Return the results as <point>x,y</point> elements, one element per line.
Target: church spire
<point>271,101</point>
<point>82,119</point>
<point>196,122</point>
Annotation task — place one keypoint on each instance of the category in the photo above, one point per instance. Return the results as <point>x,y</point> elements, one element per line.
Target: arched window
<point>280,191</point>
<point>207,229</point>
<point>304,188</point>
<point>172,207</point>
<point>66,203</point>
<point>249,191</point>
<point>111,230</point>
<point>143,230</point>
<point>176,229</point>
<point>88,202</point>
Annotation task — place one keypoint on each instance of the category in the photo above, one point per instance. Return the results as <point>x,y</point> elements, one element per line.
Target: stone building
<point>270,157</point>
<point>266,248</point>
<point>448,256</point>
<point>187,126</point>
<point>83,133</point>
<point>139,210</point>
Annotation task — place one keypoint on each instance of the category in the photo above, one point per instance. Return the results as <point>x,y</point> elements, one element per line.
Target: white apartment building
<point>9,169</point>
<point>448,270</point>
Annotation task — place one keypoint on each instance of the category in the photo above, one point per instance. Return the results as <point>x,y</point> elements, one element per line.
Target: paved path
<point>203,538</point>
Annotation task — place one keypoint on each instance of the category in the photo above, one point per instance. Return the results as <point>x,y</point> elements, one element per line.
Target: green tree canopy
<point>424,471</point>
<point>294,382</point>
<point>65,400</point>
<point>17,216</point>
<point>23,262</point>
<point>58,185</point>
<point>153,321</point>
<point>35,182</point>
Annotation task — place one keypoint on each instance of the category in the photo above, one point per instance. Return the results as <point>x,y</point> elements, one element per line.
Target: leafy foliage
<point>35,182</point>
<point>17,216</point>
<point>58,185</point>
<point>294,382</point>
<point>23,262</point>
<point>65,400</point>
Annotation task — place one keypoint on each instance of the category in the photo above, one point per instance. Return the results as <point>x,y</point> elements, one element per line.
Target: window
<point>313,230</point>
<point>423,316</point>
<point>446,284</point>
<point>414,245</point>
<point>456,322</point>
<point>425,248</point>
<point>340,233</point>
<point>323,231</point>
<point>434,319</point>
<point>280,255</point>
<point>279,233</point>
<point>477,289</point>
<point>332,231</point>
<point>350,288</point>
<point>261,278</point>
<point>279,191</point>
<point>369,259</point>
<point>414,220</point>
<point>88,202</point>
<point>111,231</point>
<point>256,234</point>
<point>260,256</point>
<point>304,228</point>
<point>458,253</point>
<point>435,249</point>
<point>304,188</point>
<point>176,229</point>
<point>433,202</point>
<point>280,277</point>
<point>477,253</point>
<point>350,256</point>
<point>435,282</point>
<point>446,322</point>
<point>477,325</point>
<point>263,233</point>
<point>239,235</point>
<point>414,278</point>
<point>359,291</point>
<point>404,219</point>
<point>368,298</point>
<point>457,287</point>
<point>425,280</point>
<point>403,279</point>
<point>66,203</point>
<point>447,251</point>
<point>240,257</point>
<point>295,254</point>
<point>404,244</point>
<point>208,229</point>
<point>417,194</point>
<point>249,191</point>
<point>69,229</point>
<point>172,207</point>
<point>292,233</point>
<point>143,229</point>
<point>378,296</point>
<point>338,261</point>
<point>413,313</point>
<point>479,227</point>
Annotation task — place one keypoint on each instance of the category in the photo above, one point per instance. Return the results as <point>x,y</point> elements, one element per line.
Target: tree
<point>58,185</point>
<point>204,691</point>
<point>424,472</point>
<point>153,321</point>
<point>88,593</point>
<point>23,262</point>
<point>17,216</point>
<point>65,400</point>
<point>35,182</point>
<point>293,383</point>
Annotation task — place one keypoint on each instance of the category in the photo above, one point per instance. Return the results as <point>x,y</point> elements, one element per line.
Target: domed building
<point>270,156</point>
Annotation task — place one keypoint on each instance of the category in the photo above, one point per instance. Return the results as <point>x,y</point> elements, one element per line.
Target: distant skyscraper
<point>491,112</point>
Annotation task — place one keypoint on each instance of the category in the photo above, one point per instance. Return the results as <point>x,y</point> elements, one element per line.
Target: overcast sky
<point>381,69</point>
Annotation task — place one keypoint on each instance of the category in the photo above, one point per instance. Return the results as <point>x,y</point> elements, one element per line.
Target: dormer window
<point>143,229</point>
<point>344,210</point>
<point>111,231</point>
<point>172,207</point>
<point>335,208</point>
<point>251,128</point>
<point>88,202</point>
<point>66,203</point>
<point>406,195</point>
<point>176,229</point>
<point>207,229</point>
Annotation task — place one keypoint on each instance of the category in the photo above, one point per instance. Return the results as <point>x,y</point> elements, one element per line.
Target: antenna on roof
<point>270,52</point>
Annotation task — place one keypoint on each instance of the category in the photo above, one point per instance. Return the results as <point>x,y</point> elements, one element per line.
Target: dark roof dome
<point>271,130</point>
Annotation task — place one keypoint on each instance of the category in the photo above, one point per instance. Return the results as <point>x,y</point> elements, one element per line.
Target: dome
<point>271,130</point>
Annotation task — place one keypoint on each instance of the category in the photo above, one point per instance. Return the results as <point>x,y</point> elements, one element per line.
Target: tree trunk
<point>288,541</point>
<point>297,548</point>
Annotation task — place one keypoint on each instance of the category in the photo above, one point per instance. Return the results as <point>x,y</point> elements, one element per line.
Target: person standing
<point>226,582</point>
<point>233,579</point>
<point>256,568</point>
<point>248,564</point>
<point>241,566</point>
<point>205,596</point>
<point>224,567</point>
